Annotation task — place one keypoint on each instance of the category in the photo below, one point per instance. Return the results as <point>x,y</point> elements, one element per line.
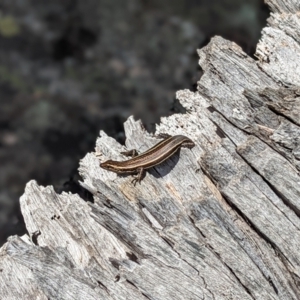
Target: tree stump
<point>220,221</point>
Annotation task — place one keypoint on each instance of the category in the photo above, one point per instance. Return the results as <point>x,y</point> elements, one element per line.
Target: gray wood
<point>219,221</point>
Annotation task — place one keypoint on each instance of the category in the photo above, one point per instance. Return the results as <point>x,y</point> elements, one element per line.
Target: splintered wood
<point>219,221</point>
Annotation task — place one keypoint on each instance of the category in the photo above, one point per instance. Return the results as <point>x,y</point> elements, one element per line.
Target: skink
<point>152,157</point>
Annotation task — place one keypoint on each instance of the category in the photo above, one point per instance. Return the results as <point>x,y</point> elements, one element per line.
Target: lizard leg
<point>188,144</point>
<point>162,135</point>
<point>139,176</point>
<point>131,153</point>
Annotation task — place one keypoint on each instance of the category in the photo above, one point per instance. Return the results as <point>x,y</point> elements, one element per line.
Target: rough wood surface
<point>220,221</point>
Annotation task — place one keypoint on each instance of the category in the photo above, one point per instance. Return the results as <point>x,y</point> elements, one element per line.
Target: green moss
<point>71,73</point>
<point>13,80</point>
<point>9,26</point>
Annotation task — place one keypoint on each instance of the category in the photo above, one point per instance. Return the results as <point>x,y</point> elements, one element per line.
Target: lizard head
<point>111,165</point>
<point>108,165</point>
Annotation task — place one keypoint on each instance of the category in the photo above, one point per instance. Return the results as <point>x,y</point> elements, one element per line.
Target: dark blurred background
<point>70,68</point>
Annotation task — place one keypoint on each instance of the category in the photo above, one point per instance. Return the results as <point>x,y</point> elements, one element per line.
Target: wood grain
<point>219,221</point>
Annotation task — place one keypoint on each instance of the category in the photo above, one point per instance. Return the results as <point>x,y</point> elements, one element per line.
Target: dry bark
<point>220,221</point>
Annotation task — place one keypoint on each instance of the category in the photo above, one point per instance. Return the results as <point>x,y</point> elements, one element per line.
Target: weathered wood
<point>219,221</point>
